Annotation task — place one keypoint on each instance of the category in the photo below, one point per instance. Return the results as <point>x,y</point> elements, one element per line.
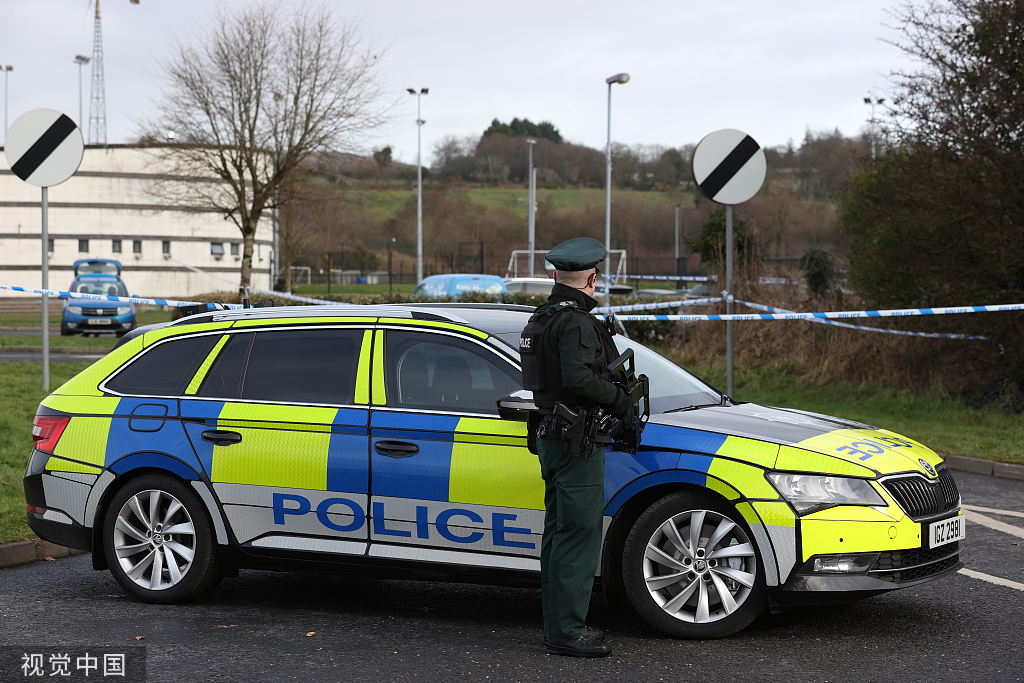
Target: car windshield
<point>104,288</point>
<point>97,267</point>
<point>672,388</point>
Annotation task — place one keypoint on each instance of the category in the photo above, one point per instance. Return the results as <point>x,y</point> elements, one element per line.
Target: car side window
<point>432,371</point>
<point>164,370</point>
<point>303,366</point>
<point>224,380</point>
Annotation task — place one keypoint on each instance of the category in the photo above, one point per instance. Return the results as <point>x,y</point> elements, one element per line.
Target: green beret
<point>581,253</point>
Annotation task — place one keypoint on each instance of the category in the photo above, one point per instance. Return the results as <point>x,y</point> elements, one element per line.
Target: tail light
<point>46,431</point>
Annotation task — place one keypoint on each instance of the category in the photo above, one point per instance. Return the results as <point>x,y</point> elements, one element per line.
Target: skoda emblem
<point>927,466</point>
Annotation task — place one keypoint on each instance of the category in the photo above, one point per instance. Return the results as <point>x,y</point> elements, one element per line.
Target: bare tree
<point>256,96</point>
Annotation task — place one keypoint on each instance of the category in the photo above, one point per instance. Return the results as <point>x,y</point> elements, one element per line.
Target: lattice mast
<point>98,98</point>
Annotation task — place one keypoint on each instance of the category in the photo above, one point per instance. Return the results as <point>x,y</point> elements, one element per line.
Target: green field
<point>104,343</point>
<point>320,290</point>
<point>944,425</point>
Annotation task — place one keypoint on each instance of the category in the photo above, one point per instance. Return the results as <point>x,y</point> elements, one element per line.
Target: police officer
<point>565,351</point>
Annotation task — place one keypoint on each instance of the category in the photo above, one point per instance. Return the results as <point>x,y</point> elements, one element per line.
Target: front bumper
<point>892,570</point>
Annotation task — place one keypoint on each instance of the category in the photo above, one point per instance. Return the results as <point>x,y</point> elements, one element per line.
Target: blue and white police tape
<point>933,335</point>
<point>296,297</point>
<point>831,315</point>
<point>125,299</point>
<point>655,306</point>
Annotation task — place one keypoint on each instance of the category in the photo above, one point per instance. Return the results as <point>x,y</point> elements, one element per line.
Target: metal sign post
<point>729,168</point>
<point>44,148</point>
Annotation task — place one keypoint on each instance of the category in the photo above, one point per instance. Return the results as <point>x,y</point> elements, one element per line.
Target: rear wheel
<point>691,569</point>
<point>158,541</point>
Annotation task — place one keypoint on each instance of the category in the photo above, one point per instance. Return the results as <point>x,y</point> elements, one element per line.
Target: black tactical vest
<point>542,371</point>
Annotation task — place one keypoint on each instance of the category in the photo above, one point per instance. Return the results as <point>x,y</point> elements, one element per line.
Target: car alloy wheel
<point>691,568</point>
<point>158,541</point>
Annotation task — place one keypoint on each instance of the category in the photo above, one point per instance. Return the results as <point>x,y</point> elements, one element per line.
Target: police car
<point>369,439</point>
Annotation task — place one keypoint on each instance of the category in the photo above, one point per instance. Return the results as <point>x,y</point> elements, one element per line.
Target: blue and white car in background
<point>455,285</point>
<point>93,316</point>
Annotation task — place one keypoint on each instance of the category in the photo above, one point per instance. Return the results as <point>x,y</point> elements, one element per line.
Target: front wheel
<point>691,569</point>
<point>158,541</point>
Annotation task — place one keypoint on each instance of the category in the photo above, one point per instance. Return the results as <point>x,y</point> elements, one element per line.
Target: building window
<point>115,246</point>
<point>217,248</point>
<point>234,248</point>
<point>83,246</point>
<point>49,247</point>
<point>136,246</point>
<point>166,246</point>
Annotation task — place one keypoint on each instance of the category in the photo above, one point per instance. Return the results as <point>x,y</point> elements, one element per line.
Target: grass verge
<point>102,343</point>
<point>318,290</point>
<point>34,320</point>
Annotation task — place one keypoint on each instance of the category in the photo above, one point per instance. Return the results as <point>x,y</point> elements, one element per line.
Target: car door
<point>452,482</point>
<point>279,421</point>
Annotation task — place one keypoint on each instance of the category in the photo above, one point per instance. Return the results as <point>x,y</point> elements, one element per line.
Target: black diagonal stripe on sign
<point>43,147</point>
<point>729,166</point>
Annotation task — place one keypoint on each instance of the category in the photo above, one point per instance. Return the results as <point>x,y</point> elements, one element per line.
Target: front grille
<point>898,559</point>
<point>921,498</point>
<point>106,312</point>
<point>919,572</point>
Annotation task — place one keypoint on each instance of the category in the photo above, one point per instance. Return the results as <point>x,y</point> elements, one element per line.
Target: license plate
<point>99,321</point>
<point>947,531</point>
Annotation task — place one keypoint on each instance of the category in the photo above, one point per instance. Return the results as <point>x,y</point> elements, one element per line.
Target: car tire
<point>677,588</point>
<point>137,548</point>
<point>65,332</point>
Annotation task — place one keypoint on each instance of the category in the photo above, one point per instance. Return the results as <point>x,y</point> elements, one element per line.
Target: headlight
<point>809,493</point>
<point>77,310</point>
<point>121,310</point>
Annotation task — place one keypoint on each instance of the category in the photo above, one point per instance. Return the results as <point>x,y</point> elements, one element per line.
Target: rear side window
<point>164,370</point>
<point>225,377</point>
<point>303,366</point>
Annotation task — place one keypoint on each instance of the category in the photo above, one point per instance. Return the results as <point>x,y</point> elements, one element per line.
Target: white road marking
<point>979,518</point>
<point>992,579</point>
<point>993,511</point>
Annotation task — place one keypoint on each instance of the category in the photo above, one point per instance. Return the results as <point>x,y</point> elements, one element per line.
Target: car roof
<point>545,280</point>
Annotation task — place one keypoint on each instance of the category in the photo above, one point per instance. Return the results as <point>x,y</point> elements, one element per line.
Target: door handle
<point>221,438</point>
<point>396,449</point>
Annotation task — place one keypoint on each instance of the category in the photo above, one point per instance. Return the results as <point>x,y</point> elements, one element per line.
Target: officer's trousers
<point>571,547</point>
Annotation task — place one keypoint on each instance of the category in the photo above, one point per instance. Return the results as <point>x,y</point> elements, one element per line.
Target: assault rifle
<point>638,389</point>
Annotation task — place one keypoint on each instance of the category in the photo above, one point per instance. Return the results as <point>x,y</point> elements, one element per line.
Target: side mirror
<point>517,406</point>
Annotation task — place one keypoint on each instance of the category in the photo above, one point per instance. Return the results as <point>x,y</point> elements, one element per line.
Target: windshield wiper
<point>694,407</point>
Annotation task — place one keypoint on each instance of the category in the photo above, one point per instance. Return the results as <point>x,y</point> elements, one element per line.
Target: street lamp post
<point>871,103</point>
<point>676,266</point>
<point>7,70</point>
<point>419,182</point>
<point>617,78</point>
<point>532,204</point>
<point>80,60</point>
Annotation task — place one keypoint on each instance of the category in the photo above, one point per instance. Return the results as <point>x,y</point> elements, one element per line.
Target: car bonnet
<point>859,448</point>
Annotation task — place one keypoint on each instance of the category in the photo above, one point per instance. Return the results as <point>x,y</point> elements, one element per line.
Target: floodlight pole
<point>617,78</point>
<point>46,285</point>
<point>419,181</point>
<point>532,204</point>
<point>7,72</point>
<point>80,60</point>
<point>728,301</point>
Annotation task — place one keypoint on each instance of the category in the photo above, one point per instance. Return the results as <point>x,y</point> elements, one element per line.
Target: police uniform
<point>571,349</point>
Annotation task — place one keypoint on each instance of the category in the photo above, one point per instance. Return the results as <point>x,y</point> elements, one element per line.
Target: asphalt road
<point>254,628</point>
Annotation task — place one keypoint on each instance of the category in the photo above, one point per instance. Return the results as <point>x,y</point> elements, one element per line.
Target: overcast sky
<point>772,68</point>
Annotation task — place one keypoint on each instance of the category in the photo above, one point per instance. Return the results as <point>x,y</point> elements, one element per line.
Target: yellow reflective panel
<point>86,382</point>
<point>85,439</point>
<point>855,513</point>
<point>200,375</point>
<point>748,513</point>
<point>362,396</point>
<point>821,537</point>
<point>750,450</point>
<point>803,460</point>
<point>883,451</point>
<point>496,431</point>
<point>301,321</point>
<point>775,514</point>
<point>435,324</point>
<point>82,405</point>
<point>55,464</point>
<point>486,473</point>
<point>379,392</point>
<point>719,486</point>
<point>747,479</point>
<point>282,446</point>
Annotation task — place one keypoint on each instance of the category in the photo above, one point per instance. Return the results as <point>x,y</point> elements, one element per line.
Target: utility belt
<point>578,427</point>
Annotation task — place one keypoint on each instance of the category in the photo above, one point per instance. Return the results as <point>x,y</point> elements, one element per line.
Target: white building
<point>111,209</point>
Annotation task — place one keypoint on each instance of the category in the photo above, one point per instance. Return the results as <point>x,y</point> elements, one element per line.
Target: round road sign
<point>729,166</point>
<point>44,147</point>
